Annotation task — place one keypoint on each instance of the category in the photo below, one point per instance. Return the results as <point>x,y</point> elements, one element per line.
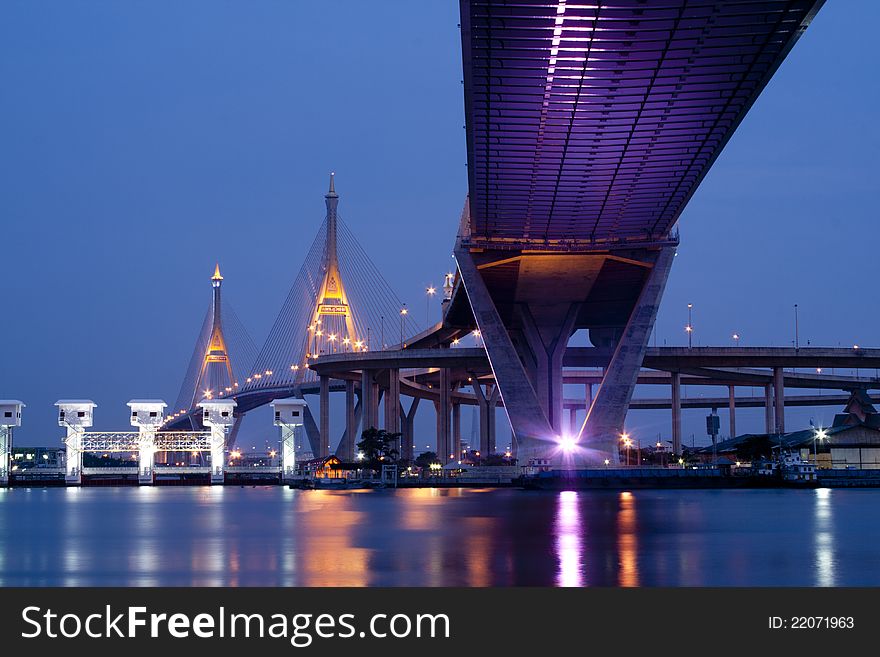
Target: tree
<point>494,459</point>
<point>379,447</point>
<point>425,459</point>
<point>754,448</point>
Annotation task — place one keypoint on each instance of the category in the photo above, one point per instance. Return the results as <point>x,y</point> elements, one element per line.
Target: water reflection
<point>627,541</point>
<point>269,536</point>
<point>824,538</point>
<point>569,540</point>
<point>328,527</point>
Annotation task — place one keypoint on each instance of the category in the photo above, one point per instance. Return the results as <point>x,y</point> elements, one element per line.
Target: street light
<point>430,291</point>
<point>403,313</point>
<point>736,339</point>
<point>818,434</point>
<point>690,326</point>
<point>627,442</point>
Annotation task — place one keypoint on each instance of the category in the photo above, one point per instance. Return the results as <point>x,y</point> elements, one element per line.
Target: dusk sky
<point>141,142</point>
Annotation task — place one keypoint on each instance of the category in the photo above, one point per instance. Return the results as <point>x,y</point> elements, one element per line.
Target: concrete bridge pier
<point>324,410</point>
<point>779,390</point>
<point>369,400</point>
<point>444,409</point>
<point>349,440</point>
<point>392,402</point>
<point>456,430</point>
<point>542,297</point>
<point>486,401</point>
<point>408,420</point>
<point>768,409</point>
<point>731,408</point>
<point>676,413</point>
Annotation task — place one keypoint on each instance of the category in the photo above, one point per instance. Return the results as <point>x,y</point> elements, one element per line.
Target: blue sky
<point>143,141</point>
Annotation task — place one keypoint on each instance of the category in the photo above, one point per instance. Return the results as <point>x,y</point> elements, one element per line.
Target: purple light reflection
<point>569,541</point>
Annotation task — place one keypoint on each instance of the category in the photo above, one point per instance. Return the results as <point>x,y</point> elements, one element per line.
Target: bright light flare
<point>567,444</point>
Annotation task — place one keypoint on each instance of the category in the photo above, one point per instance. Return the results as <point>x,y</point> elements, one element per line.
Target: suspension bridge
<point>338,303</point>
<point>588,129</point>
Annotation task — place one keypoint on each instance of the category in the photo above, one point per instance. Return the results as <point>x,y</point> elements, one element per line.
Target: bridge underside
<point>589,127</point>
<point>528,304</point>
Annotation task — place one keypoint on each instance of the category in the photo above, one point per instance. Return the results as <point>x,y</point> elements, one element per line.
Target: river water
<point>274,536</point>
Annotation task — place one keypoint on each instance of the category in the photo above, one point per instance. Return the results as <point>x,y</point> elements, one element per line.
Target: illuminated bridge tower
<point>215,376</point>
<point>223,349</point>
<point>337,303</point>
<point>332,326</point>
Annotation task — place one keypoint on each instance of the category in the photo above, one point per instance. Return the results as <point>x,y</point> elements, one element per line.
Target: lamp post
<point>736,339</point>
<point>818,434</point>
<point>403,314</point>
<point>627,442</point>
<point>690,326</point>
<point>796,329</point>
<point>430,291</point>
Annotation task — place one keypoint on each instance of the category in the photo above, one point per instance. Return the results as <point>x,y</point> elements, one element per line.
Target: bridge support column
<point>731,408</point>
<point>779,390</point>
<point>456,430</point>
<point>407,449</point>
<point>486,401</point>
<point>605,421</point>
<point>324,402</point>
<point>573,427</point>
<point>542,298</point>
<point>346,451</point>
<point>77,416</point>
<point>392,402</point>
<point>217,415</point>
<point>768,409</point>
<point>444,409</point>
<point>547,349</point>
<point>369,400</point>
<point>313,433</point>
<point>676,413</point>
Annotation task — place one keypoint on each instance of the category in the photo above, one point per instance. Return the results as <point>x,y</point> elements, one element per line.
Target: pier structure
<point>76,415</point>
<point>147,415</point>
<point>218,416</point>
<point>10,417</point>
<point>456,375</point>
<point>289,416</point>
